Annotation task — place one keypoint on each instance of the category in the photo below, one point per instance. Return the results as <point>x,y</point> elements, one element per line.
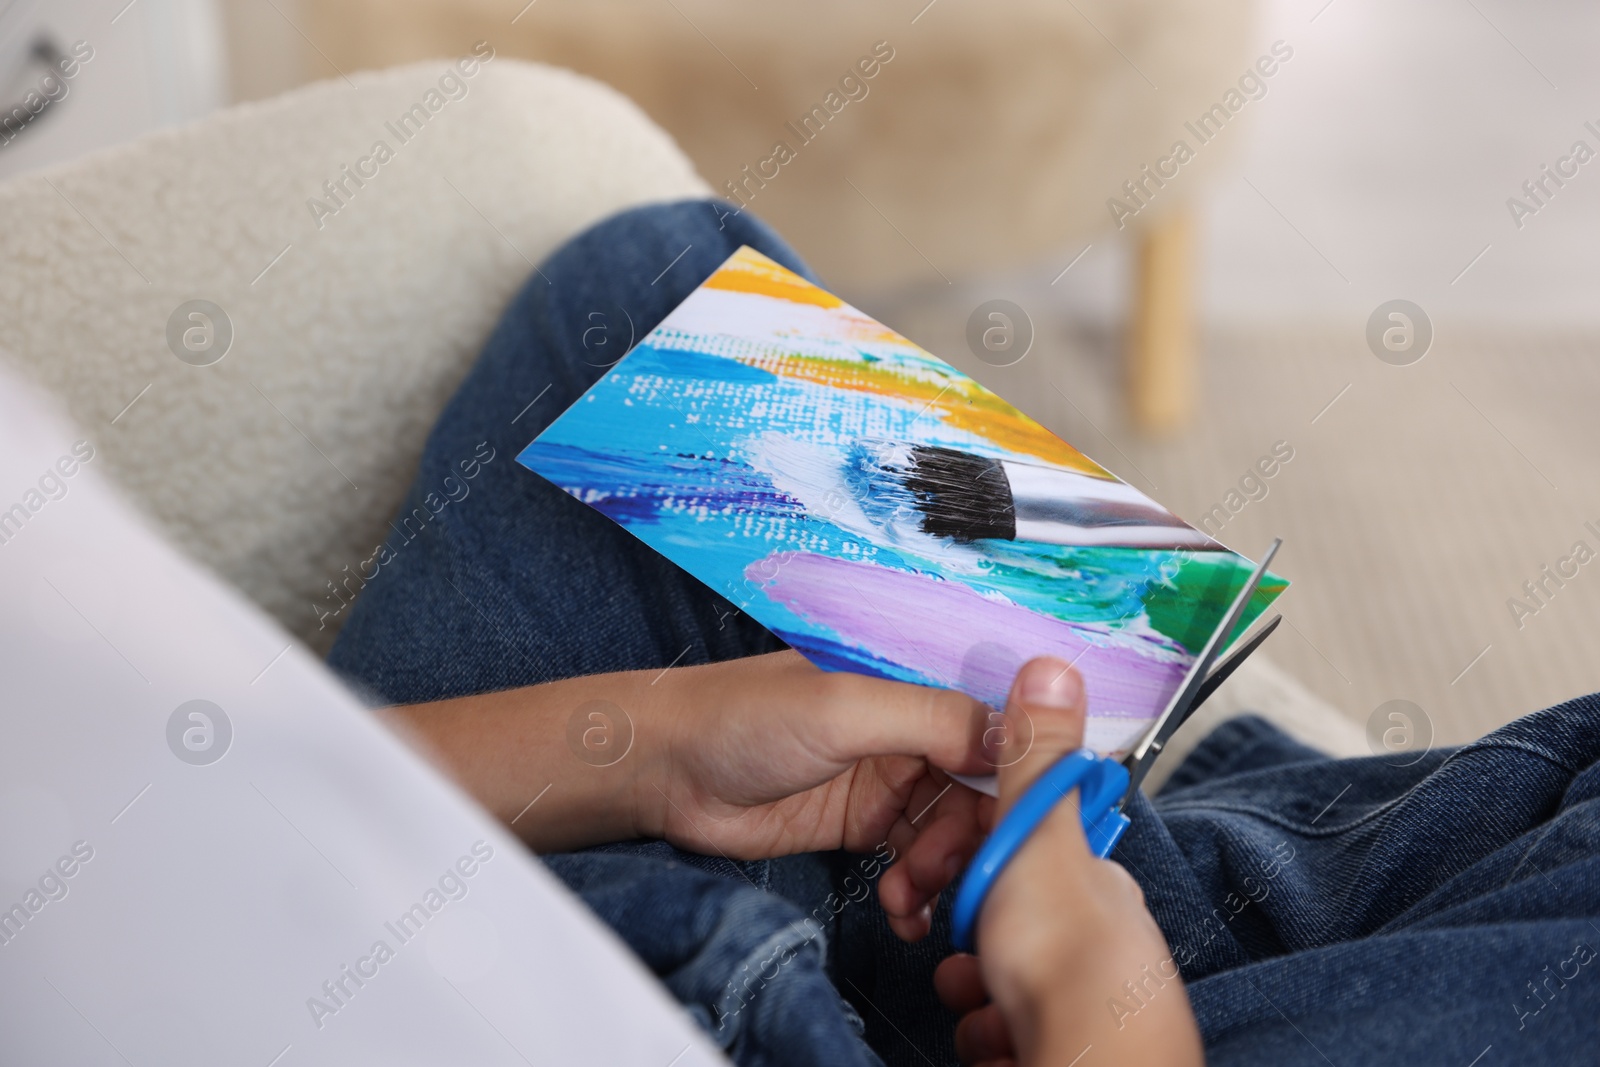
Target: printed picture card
<point>884,513</point>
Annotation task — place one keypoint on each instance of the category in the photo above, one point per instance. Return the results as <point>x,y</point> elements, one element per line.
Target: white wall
<point>1391,142</point>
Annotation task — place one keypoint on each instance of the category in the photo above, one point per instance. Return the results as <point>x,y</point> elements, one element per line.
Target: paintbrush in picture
<point>947,492</point>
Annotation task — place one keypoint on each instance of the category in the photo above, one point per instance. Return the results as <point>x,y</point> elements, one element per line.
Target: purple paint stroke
<point>957,637</point>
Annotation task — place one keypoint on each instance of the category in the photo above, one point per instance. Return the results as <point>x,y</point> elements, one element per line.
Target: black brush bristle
<point>960,495</point>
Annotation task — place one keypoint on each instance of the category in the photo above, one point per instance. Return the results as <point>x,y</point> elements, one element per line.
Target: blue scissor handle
<point>1101,784</point>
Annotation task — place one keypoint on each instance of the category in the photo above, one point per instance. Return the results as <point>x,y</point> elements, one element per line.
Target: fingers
<point>947,833</point>
<point>959,982</point>
<point>1046,703</point>
<point>883,791</point>
<point>875,717</point>
<point>982,1037</point>
<point>1043,720</point>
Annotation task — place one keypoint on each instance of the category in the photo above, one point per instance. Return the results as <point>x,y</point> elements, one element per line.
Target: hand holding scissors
<point>1062,932</point>
<point>1105,787</point>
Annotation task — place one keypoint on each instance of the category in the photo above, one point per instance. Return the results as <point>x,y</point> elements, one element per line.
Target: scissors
<point>1106,787</point>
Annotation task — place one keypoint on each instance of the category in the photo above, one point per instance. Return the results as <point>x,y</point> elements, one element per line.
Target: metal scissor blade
<point>1218,675</point>
<point>1220,672</point>
<point>1184,700</point>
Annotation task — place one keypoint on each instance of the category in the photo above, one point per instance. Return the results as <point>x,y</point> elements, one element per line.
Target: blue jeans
<point>1321,911</point>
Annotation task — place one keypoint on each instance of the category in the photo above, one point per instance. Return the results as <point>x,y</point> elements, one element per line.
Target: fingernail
<point>1051,684</point>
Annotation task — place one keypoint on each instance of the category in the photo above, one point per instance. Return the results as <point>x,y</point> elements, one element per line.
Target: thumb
<point>1043,722</point>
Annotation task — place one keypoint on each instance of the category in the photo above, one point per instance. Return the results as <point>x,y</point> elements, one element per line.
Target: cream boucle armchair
<point>277,446</point>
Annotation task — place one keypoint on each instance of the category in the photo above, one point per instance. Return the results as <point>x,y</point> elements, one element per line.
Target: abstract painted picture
<point>884,513</point>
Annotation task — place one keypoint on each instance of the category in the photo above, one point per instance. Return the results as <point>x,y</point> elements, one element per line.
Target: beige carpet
<point>1414,506</point>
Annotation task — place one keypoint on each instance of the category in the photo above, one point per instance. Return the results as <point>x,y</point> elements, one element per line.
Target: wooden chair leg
<point>1161,340</point>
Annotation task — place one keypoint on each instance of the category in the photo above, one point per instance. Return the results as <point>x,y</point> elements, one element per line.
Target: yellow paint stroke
<point>952,397</point>
<point>748,271</point>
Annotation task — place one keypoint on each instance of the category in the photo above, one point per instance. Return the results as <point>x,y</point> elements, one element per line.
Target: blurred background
<point>1227,313</point>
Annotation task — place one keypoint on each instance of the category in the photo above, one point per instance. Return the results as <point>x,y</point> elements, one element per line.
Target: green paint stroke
<point>1189,605</point>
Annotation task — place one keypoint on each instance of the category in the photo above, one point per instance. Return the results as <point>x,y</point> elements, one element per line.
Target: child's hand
<point>1063,932</point>
<point>770,755</point>
<point>747,758</point>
